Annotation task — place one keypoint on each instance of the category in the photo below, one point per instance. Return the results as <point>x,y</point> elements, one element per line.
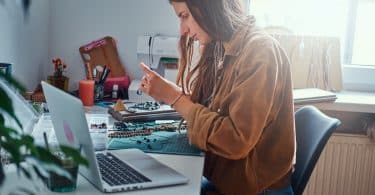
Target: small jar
<point>115,91</point>
<point>98,92</point>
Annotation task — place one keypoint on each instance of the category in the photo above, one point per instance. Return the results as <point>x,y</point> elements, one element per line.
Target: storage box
<point>123,85</point>
<point>102,52</point>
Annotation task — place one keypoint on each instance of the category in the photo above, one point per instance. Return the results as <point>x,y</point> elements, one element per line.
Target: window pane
<point>310,17</point>
<point>364,40</point>
<point>307,17</point>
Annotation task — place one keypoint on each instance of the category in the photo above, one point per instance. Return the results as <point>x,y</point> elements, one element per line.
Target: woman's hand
<point>157,87</point>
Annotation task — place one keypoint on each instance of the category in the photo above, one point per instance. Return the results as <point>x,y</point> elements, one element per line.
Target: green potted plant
<point>23,152</point>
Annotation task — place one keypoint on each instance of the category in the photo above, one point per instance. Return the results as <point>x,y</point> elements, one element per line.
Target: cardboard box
<point>102,52</point>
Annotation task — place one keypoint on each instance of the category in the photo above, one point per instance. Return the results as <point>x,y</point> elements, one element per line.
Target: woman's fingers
<point>155,85</point>
<point>150,74</point>
<point>144,88</point>
<point>144,80</point>
<point>146,69</point>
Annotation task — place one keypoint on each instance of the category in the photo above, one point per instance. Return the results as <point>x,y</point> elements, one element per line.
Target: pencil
<point>89,71</point>
<point>46,140</point>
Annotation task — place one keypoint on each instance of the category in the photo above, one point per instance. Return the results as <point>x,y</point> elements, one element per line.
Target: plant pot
<point>59,82</point>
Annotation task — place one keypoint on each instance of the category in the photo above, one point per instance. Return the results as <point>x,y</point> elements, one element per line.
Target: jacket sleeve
<point>235,134</point>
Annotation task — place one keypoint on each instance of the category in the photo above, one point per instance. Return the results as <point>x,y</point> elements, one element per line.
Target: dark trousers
<point>207,186</point>
<point>285,191</point>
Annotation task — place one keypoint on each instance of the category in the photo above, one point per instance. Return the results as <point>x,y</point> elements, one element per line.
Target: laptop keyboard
<point>116,172</point>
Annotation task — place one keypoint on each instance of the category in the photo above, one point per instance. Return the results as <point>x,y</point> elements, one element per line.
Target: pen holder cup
<point>60,183</point>
<point>98,92</point>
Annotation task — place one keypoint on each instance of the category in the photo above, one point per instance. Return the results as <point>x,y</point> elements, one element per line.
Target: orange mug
<point>86,92</point>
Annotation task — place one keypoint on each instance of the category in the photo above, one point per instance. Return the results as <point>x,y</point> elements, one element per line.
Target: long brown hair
<point>219,19</point>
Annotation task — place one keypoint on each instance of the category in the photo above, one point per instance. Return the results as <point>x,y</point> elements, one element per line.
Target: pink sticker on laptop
<point>68,132</point>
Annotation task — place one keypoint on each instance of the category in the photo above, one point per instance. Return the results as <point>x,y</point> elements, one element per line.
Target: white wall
<point>57,28</point>
<point>77,22</point>
<point>24,43</point>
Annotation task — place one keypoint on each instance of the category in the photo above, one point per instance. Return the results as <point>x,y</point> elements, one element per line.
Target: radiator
<point>345,167</point>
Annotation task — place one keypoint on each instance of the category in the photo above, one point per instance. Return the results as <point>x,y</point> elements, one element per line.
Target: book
<point>145,111</point>
<point>312,95</point>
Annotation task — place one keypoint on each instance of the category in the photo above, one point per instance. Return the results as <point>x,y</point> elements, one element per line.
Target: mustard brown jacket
<point>248,129</point>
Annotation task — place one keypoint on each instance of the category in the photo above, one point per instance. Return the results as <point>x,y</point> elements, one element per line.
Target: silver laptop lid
<point>71,128</point>
<point>22,109</point>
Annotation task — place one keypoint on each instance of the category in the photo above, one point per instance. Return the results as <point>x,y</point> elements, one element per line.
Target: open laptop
<point>113,171</point>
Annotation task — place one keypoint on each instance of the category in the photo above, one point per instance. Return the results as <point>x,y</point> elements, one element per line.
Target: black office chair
<point>313,129</point>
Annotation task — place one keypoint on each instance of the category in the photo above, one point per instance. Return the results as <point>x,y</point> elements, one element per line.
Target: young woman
<point>237,100</point>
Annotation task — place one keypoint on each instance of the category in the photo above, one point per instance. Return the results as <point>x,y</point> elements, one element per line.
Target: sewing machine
<point>161,54</point>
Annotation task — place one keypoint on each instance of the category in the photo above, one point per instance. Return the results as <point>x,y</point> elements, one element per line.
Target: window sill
<point>354,109</point>
<point>359,78</point>
<point>351,101</point>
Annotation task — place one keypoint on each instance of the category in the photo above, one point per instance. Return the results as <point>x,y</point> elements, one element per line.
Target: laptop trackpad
<point>147,165</point>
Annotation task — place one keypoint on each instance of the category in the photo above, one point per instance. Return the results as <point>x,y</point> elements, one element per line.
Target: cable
<point>149,50</point>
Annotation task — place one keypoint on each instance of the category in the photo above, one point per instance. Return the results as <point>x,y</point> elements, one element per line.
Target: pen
<point>106,73</point>
<point>46,140</point>
<point>103,75</point>
<point>94,75</point>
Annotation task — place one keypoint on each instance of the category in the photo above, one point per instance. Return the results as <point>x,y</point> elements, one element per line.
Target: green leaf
<point>4,98</point>
<point>27,140</point>
<point>22,191</point>
<point>7,106</point>
<point>45,168</point>
<point>2,120</point>
<point>13,82</point>
<point>38,168</point>
<point>75,154</point>
<point>8,133</point>
<point>25,172</point>
<point>39,174</point>
<point>45,155</point>
<point>14,152</point>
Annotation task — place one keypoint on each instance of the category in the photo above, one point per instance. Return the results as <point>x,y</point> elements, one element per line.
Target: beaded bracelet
<point>175,100</point>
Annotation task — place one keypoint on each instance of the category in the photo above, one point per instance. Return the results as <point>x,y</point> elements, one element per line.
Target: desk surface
<point>190,166</point>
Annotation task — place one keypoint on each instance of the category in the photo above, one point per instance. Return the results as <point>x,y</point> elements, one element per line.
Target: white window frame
<point>358,77</point>
<point>355,77</point>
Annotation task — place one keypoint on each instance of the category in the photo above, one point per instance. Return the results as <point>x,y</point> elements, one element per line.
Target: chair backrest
<point>313,129</point>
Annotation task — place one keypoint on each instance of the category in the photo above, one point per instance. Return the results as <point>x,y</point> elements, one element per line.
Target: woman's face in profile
<point>188,25</point>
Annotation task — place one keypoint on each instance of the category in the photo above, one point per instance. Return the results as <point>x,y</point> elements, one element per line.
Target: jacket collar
<point>236,43</point>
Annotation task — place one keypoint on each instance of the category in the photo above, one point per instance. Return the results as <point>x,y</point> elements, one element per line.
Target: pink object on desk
<point>122,82</point>
<point>86,92</point>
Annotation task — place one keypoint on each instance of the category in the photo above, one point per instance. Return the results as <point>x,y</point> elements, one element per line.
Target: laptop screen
<point>23,110</point>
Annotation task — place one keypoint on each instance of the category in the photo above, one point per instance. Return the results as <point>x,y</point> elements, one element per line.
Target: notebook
<point>312,95</point>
